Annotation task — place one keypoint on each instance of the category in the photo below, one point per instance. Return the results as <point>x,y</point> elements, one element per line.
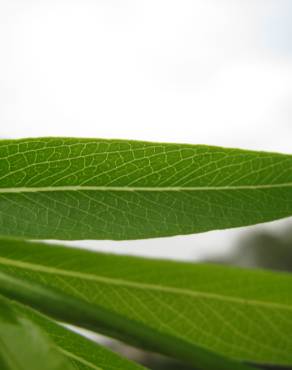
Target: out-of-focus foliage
<point>261,249</point>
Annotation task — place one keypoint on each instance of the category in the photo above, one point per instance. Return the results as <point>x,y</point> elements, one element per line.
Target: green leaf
<point>23,345</point>
<point>112,189</point>
<point>57,305</point>
<point>179,309</point>
<point>83,353</point>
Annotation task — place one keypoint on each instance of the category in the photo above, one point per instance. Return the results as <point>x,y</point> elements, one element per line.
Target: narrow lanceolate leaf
<point>88,354</point>
<point>179,309</point>
<point>23,345</point>
<point>113,189</point>
<point>81,352</point>
<point>68,308</point>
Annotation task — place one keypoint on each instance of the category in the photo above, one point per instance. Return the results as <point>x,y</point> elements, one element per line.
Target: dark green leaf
<point>113,189</point>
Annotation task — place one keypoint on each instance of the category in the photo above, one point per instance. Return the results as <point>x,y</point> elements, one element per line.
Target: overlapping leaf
<point>113,189</point>
<point>23,345</point>
<point>174,308</point>
<point>80,352</point>
<point>62,306</point>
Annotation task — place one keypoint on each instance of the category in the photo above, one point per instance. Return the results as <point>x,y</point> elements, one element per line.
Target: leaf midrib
<point>142,286</point>
<point>42,189</point>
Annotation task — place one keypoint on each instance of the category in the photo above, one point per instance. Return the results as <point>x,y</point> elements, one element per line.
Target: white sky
<point>198,71</point>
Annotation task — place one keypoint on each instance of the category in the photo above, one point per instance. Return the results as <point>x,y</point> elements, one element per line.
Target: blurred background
<point>194,71</point>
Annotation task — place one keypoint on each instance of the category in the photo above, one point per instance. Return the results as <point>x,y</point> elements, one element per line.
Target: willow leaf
<point>84,354</point>
<point>23,345</point>
<point>180,309</point>
<point>112,189</point>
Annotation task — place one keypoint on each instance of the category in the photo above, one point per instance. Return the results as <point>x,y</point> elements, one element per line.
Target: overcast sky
<point>211,71</point>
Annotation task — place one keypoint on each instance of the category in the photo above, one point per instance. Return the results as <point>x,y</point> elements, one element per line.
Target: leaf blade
<point>57,188</point>
<point>24,345</point>
<point>46,299</point>
<point>234,312</point>
<point>83,353</point>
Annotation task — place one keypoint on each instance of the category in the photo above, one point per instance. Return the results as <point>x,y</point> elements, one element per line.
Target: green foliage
<point>212,317</point>
<point>19,335</point>
<point>81,353</point>
<point>113,189</point>
<point>119,296</point>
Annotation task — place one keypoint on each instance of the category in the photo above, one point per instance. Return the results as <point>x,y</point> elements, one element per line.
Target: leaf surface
<point>23,345</point>
<point>179,309</point>
<point>58,188</point>
<point>84,354</point>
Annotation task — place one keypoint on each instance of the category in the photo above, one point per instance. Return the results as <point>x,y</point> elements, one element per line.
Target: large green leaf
<point>81,352</point>
<point>178,309</point>
<point>23,345</point>
<point>113,189</point>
